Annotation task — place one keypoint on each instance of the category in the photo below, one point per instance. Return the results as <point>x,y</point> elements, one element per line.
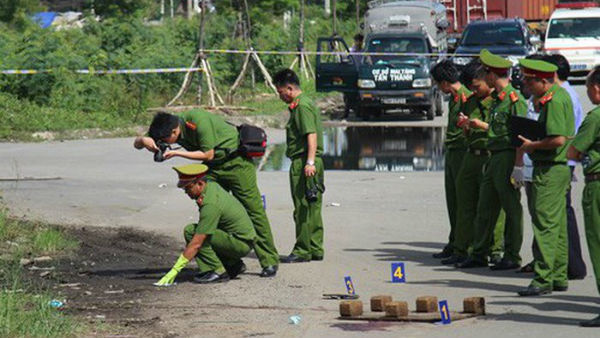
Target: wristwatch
<point>310,162</point>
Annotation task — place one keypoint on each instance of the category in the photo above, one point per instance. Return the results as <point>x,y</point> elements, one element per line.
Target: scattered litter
<point>295,320</point>
<point>163,285</point>
<point>162,185</point>
<point>25,261</point>
<point>44,274</point>
<point>402,177</point>
<point>57,304</point>
<point>100,317</point>
<point>88,293</point>
<point>114,291</point>
<point>37,268</point>
<point>69,285</point>
<point>42,259</point>
<point>334,204</point>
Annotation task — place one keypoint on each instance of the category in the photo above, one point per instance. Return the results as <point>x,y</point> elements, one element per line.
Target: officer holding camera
<point>209,138</point>
<point>304,133</point>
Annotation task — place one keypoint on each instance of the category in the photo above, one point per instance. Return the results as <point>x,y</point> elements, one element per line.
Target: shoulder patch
<point>464,97</point>
<point>294,104</point>
<point>190,125</point>
<point>501,96</point>
<point>546,98</point>
<point>514,97</point>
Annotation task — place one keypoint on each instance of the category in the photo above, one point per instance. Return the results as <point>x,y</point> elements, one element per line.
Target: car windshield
<point>394,45</point>
<point>574,28</point>
<point>485,35</point>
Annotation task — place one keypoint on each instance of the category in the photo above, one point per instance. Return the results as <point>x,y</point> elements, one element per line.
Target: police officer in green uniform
<point>551,177</point>
<point>446,76</point>
<point>496,189</point>
<point>476,111</point>
<point>586,148</point>
<point>223,235</point>
<point>209,138</point>
<point>304,133</point>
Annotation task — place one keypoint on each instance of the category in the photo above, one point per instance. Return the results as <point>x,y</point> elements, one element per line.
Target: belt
<point>228,157</point>
<point>479,152</point>
<point>547,163</point>
<point>592,177</point>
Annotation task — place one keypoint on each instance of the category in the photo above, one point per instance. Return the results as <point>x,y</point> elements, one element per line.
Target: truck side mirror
<point>535,40</point>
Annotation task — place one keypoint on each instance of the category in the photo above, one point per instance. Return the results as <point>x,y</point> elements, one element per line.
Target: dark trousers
<point>576,268</point>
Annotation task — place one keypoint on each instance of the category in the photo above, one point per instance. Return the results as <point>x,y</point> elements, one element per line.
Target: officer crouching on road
<point>223,234</point>
<point>304,133</point>
<point>209,138</point>
<point>586,148</point>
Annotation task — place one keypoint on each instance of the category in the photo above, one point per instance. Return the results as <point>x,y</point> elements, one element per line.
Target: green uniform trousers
<point>469,180</point>
<point>219,251</point>
<point>452,163</point>
<point>550,184</point>
<point>307,215</point>
<point>591,215</point>
<point>238,176</point>
<point>497,193</point>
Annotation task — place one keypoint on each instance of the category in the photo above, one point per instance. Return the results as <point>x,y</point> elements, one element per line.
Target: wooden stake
<point>186,80</point>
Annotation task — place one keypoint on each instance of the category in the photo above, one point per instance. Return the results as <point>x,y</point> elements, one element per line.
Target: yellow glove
<point>169,278</point>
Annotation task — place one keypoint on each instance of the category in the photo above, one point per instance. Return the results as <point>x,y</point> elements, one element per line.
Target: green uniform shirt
<point>455,137</point>
<point>477,108</point>
<point>201,130</point>
<point>508,102</point>
<point>220,210</point>
<point>557,115</point>
<point>587,141</point>
<point>304,119</point>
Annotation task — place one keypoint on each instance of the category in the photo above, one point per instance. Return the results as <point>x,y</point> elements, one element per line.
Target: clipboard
<point>528,128</point>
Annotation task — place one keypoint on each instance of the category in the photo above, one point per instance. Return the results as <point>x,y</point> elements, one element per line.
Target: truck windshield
<point>410,45</point>
<point>572,28</point>
<point>485,35</point>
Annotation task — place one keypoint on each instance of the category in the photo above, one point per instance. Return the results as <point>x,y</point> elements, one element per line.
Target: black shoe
<point>527,268</point>
<point>591,323</point>
<point>235,270</point>
<point>560,288</point>
<point>470,263</point>
<point>534,291</point>
<point>453,260</point>
<point>495,259</point>
<point>294,259</point>
<point>316,258</point>
<point>212,277</point>
<point>443,254</point>
<point>202,274</point>
<point>269,271</point>
<point>505,264</point>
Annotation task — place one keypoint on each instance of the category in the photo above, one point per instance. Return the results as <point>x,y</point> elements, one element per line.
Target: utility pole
<point>200,47</point>
<point>334,17</point>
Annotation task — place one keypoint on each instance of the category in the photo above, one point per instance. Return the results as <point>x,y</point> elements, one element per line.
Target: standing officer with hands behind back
<point>304,133</point>
<point>209,138</point>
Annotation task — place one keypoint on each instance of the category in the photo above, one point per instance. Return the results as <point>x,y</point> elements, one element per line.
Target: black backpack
<point>253,141</point>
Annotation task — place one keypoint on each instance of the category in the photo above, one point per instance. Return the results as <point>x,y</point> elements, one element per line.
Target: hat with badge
<point>494,63</point>
<point>190,173</point>
<point>538,68</point>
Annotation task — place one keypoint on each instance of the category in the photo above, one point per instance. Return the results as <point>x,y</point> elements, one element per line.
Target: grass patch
<point>24,307</point>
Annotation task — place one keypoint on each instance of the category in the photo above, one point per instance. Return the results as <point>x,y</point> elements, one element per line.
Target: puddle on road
<point>397,149</point>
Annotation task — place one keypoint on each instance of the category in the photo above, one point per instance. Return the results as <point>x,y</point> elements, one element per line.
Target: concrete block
<point>427,304</point>
<point>396,309</point>
<point>378,302</point>
<point>351,308</point>
<point>474,305</point>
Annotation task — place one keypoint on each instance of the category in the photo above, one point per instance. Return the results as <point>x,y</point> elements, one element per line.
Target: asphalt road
<point>381,218</point>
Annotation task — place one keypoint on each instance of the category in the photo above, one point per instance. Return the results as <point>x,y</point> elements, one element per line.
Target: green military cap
<point>493,62</point>
<point>538,68</point>
<point>190,173</point>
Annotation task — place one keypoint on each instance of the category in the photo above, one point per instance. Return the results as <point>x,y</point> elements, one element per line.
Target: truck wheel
<point>431,112</point>
<point>362,112</point>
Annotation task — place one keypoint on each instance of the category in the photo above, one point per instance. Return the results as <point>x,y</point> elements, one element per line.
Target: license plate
<point>578,67</point>
<point>395,100</point>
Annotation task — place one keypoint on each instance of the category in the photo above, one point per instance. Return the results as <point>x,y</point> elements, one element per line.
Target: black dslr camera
<point>313,189</point>
<point>159,155</point>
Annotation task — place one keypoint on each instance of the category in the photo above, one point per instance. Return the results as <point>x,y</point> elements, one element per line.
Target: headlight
<point>461,61</point>
<point>422,83</point>
<point>363,83</point>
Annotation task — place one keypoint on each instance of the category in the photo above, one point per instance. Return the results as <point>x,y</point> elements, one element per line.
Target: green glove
<point>169,278</point>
